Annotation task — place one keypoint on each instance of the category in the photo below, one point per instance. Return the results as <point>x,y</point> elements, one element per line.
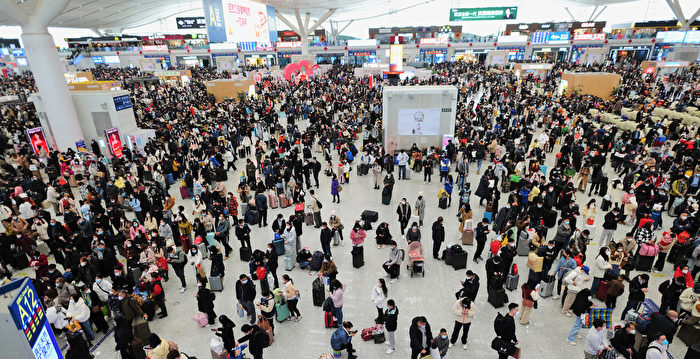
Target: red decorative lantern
<point>606,41</point>
<point>188,51</point>
<point>346,47</point>
<point>378,46</point>
<point>653,41</point>
<point>528,43</point>
<point>117,52</point>
<point>140,52</point>
<point>275,49</point>
<point>417,46</point>
<point>629,41</point>
<point>470,44</point>
<point>208,50</point>
<point>168,50</point>
<point>495,44</point>
<point>571,42</point>
<point>239,50</point>
<point>325,47</point>
<point>448,45</point>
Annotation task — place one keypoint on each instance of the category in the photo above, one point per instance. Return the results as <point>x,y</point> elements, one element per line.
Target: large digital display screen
<point>396,58</point>
<point>191,22</point>
<point>122,102</point>
<point>97,60</point>
<point>38,140</point>
<point>419,121</point>
<point>240,21</point>
<point>484,13</point>
<point>111,59</point>
<point>114,142</point>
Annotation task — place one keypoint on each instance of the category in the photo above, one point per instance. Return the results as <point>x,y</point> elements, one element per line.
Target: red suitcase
<point>184,192</point>
<point>602,290</point>
<point>328,319</point>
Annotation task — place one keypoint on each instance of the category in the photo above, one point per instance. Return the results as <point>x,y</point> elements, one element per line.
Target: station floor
<point>431,296</point>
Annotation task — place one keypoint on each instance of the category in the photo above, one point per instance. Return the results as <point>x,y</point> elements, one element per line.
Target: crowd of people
<point>115,227</point>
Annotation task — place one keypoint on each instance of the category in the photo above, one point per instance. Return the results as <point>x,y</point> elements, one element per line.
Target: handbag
<point>73,327</point>
<point>239,310</point>
<point>340,189</point>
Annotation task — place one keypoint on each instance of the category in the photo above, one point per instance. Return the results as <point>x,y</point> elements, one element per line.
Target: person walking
<point>438,237</point>
<point>205,300</point>
<point>404,212</point>
<point>335,189</point>
<point>243,233</point>
<point>257,338</point>
<point>582,304</point>
<point>391,317</point>
<point>464,312</point>
<point>529,293</point>
<point>379,293</point>
<point>292,296</point>
<point>419,208</point>
<point>482,232</point>
<point>421,337</point>
<point>245,294</point>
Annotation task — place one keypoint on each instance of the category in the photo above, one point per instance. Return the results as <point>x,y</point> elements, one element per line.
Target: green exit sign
<point>484,13</point>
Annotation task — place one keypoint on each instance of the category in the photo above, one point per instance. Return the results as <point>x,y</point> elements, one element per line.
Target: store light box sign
<point>484,13</point>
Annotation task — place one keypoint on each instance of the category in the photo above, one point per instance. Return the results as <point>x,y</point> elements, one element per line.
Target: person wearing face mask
<point>40,263</point>
<point>222,234</point>
<point>623,341</point>
<point>404,212</point>
<point>135,205</point>
<point>413,234</point>
<point>580,306</point>
<point>505,329</point>
<point>421,337</point>
<point>393,265</point>
<point>595,340</point>
<point>388,188</point>
<point>79,312</point>
<point>658,348</point>
<point>683,271</point>
<point>93,301</point>
<point>563,233</point>
<point>245,294</point>
<point>205,300</point>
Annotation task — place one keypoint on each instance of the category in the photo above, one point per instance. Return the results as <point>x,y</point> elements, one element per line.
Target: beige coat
<point>462,315</point>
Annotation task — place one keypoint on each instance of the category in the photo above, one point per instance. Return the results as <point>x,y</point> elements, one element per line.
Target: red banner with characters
<point>114,142</point>
<point>38,140</point>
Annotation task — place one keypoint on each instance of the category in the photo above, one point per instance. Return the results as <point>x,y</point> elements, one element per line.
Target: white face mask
<point>632,331</point>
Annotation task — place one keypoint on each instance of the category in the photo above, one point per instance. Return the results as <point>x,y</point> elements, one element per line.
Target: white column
<point>48,74</point>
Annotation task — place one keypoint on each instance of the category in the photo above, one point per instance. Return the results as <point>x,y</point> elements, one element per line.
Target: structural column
<point>48,74</point>
<point>47,69</point>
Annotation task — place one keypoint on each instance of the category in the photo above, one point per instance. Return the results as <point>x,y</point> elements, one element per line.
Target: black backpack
<point>263,337</point>
<point>498,324</point>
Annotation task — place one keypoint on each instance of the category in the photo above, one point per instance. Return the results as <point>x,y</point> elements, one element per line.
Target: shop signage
<point>191,22</point>
<point>589,37</point>
<point>484,13</point>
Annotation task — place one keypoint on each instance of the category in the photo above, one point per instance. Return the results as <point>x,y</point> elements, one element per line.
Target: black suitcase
<point>442,202</point>
<point>369,216</point>
<point>386,199</point>
<point>497,297</point>
<point>512,282</point>
<point>644,263</point>
<point>245,254</point>
<point>459,260</point>
<point>19,260</point>
<point>318,292</point>
<point>550,219</point>
<point>358,256</point>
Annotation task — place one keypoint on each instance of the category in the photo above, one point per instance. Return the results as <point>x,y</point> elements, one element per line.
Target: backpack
<point>498,324</point>
<point>328,305</point>
<point>401,254</point>
<point>263,338</point>
<point>642,322</point>
<point>261,272</point>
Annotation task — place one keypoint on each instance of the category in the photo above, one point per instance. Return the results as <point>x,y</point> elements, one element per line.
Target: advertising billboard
<point>362,43</point>
<point>419,121</point>
<point>396,58</point>
<point>589,37</point>
<point>240,21</point>
<point>559,37</point>
<point>114,142</point>
<point>122,102</point>
<point>433,40</point>
<point>38,140</point>
<point>484,13</point>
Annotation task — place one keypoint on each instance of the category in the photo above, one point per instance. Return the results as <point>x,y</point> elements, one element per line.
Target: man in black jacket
<point>326,236</point>
<point>637,293</point>
<point>665,324</point>
<point>612,218</point>
<point>279,224</point>
<point>482,230</point>
<point>623,341</point>
<point>245,294</point>
<point>494,269</point>
<point>256,338</point>
<point>243,233</point>
<point>505,328</point>
<point>470,286</point>
<point>438,237</point>
<point>421,337</point>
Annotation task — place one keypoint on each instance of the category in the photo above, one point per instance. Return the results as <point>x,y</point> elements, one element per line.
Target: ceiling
<point>102,14</point>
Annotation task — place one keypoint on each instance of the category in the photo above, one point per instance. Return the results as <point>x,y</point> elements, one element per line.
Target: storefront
<point>638,53</point>
<point>193,60</point>
<point>660,51</point>
<point>433,56</point>
<point>359,57</point>
<point>330,59</point>
<point>514,52</point>
<point>478,56</point>
<point>214,56</point>
<point>162,60</point>
<point>285,58</point>
<point>550,54</point>
<point>578,50</point>
<point>261,60</point>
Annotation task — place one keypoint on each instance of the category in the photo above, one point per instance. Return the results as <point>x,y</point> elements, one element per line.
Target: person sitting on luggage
<point>328,268</point>
<point>393,265</point>
<point>623,341</point>
<point>342,339</point>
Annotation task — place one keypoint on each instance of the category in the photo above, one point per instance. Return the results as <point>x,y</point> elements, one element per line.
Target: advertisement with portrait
<point>38,140</point>
<point>419,121</point>
<point>114,142</point>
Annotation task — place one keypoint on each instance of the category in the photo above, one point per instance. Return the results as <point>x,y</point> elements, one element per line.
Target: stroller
<point>415,259</point>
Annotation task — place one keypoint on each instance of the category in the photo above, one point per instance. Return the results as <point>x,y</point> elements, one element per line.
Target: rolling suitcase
<point>137,349</point>
<point>288,263</point>
<point>318,292</point>
<point>369,216</point>
<point>309,219</point>
<point>512,282</point>
<point>328,319</point>
<point>488,216</point>
<point>497,297</point>
<point>265,325</point>
<point>19,260</point>
<point>141,329</point>
<point>468,237</point>
<point>215,284</point>
<point>184,193</point>
<point>358,256</point>
<point>135,273</point>
<point>442,202</point>
<point>523,247</point>
<point>459,260</point>
<point>602,290</point>
<point>279,246</point>
<point>283,201</point>
<point>281,312</point>
<point>644,263</point>
<point>547,287</point>
<point>244,254</point>
<point>272,198</point>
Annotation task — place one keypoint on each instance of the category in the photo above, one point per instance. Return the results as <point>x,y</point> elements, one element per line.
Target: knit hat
<point>696,288</point>
<point>585,269</point>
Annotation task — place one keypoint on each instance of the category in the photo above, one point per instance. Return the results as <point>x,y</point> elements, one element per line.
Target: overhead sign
<point>154,48</point>
<point>559,37</point>
<point>198,22</point>
<point>122,102</point>
<point>29,317</point>
<point>512,38</point>
<point>396,58</point>
<point>97,60</point>
<point>433,40</point>
<point>484,13</point>
<point>288,44</point>
<point>589,37</point>
<point>362,43</point>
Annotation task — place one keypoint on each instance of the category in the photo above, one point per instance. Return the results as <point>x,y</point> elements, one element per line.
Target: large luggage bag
<point>358,256</point>
<point>141,329</point>
<point>279,246</point>
<point>369,216</point>
<point>272,198</point>
<point>512,282</point>
<point>19,260</point>
<point>184,193</point>
<point>459,260</point>
<point>497,297</point>
<point>602,290</point>
<point>547,287</point>
<point>309,219</point>
<point>216,284</point>
<point>468,237</point>
<point>244,254</point>
<point>137,349</point>
<point>281,312</point>
<point>328,319</point>
<point>284,203</point>
<point>318,292</point>
<point>644,263</point>
<point>523,247</point>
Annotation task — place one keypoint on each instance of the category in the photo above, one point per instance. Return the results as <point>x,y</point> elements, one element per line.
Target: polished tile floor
<point>431,296</point>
